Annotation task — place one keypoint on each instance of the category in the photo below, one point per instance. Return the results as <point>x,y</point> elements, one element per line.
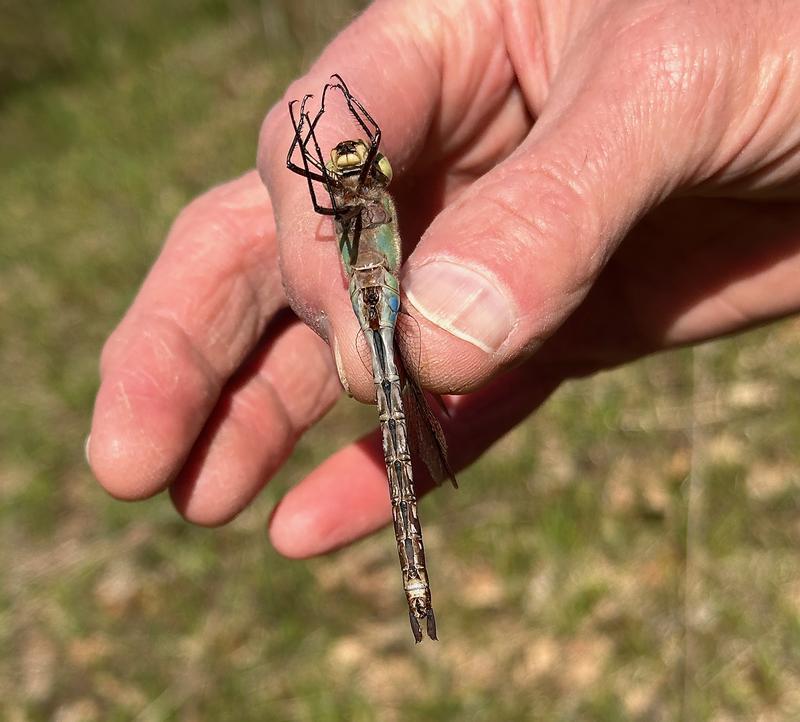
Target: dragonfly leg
<point>359,112</point>
<point>308,159</point>
<point>356,108</point>
<point>297,142</point>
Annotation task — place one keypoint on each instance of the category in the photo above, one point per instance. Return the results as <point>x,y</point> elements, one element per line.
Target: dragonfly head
<point>349,156</point>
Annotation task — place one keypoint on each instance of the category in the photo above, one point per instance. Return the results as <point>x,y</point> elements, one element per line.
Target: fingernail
<point>337,358</point>
<point>86,448</point>
<point>462,301</point>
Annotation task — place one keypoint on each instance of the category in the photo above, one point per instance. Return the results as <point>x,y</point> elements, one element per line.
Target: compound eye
<point>385,167</point>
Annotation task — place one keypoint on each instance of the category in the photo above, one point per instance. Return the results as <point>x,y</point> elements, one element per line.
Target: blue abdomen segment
<point>391,296</point>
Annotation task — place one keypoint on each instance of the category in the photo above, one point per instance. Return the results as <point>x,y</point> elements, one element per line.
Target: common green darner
<point>355,180</point>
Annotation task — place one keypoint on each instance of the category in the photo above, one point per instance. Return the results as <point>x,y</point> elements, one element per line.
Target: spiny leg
<point>352,101</point>
<point>297,141</point>
<point>306,171</point>
<point>354,106</point>
<point>344,214</point>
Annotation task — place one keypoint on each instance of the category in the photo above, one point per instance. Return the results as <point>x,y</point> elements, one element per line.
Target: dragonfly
<point>354,181</point>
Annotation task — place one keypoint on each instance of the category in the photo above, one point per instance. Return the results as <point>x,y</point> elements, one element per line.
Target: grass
<point>630,553</point>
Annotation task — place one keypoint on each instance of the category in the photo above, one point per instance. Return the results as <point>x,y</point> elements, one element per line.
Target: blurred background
<point>630,553</point>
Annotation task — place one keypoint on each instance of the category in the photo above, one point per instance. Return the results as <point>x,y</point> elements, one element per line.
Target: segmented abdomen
<point>397,456</point>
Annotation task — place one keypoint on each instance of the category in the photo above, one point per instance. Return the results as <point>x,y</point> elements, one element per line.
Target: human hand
<point>647,207</point>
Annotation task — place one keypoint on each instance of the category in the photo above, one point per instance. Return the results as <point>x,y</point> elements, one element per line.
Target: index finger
<point>390,59</point>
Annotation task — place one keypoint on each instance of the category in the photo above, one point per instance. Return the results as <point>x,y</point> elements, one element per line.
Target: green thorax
<point>379,234</point>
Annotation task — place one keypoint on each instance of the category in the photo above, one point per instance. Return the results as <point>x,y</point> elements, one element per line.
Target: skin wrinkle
<point>289,395</point>
<point>433,63</point>
<point>527,231</point>
<point>119,353</point>
<point>255,421</point>
<point>257,399</point>
<point>538,46</point>
<point>232,305</point>
<point>213,376</point>
<point>563,217</point>
<point>767,96</point>
<point>149,386</point>
<point>135,372</point>
<point>785,79</point>
<point>163,382</point>
<point>167,353</point>
<point>739,138</point>
<point>485,75</point>
<point>733,152</point>
<point>732,149</point>
<point>659,74</point>
<point>672,68</point>
<point>251,401</point>
<point>202,230</point>
<point>526,45</point>
<point>603,162</point>
<point>313,317</point>
<point>123,394</point>
<point>736,315</point>
<point>116,449</point>
<point>238,302</point>
<point>241,418</point>
<point>767,159</point>
<point>708,119</point>
<point>484,152</point>
<point>546,54</point>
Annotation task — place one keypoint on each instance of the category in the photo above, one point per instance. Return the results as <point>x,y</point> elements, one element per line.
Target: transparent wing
<point>425,432</point>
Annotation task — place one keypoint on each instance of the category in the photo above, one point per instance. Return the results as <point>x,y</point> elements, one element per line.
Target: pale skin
<point>652,204</point>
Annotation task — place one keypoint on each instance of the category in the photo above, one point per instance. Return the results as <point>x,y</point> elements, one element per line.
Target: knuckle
<point>700,76</point>
<point>668,50</point>
<point>565,229</point>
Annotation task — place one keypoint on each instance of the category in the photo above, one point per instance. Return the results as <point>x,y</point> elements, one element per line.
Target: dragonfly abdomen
<point>397,457</point>
<point>365,219</point>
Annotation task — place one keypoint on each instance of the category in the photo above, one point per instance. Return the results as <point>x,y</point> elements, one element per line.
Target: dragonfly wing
<point>426,431</point>
<point>439,403</point>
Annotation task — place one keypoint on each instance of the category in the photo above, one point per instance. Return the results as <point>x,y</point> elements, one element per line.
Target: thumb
<point>503,266</point>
